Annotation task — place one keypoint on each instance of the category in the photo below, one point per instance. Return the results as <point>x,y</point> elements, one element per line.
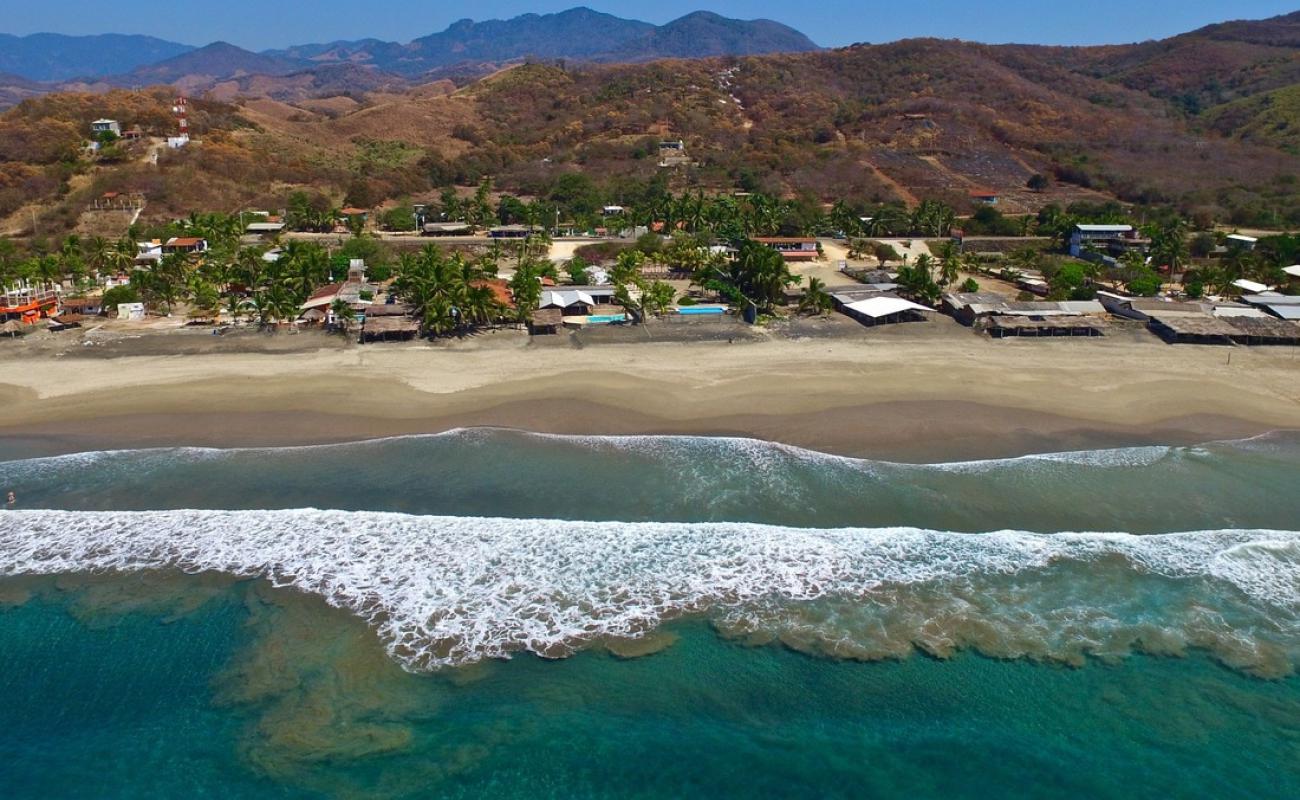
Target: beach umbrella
<point>13,328</point>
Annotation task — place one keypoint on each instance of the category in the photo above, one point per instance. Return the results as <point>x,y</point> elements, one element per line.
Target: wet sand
<point>925,394</point>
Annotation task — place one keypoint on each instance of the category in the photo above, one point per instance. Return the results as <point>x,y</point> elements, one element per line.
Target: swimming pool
<point>605,319</point>
<point>698,310</point>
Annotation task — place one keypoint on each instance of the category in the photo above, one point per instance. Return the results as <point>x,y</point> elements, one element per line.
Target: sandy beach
<point>930,391</point>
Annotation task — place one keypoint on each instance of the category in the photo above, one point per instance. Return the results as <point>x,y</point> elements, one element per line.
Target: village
<point>689,266</point>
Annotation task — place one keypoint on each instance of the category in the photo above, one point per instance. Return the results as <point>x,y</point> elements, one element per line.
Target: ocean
<point>489,613</point>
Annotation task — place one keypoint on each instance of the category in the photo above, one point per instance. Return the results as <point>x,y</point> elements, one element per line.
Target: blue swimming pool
<point>605,319</point>
<point>698,310</point>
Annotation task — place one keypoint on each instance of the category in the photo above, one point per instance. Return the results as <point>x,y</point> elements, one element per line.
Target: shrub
<point>118,295</point>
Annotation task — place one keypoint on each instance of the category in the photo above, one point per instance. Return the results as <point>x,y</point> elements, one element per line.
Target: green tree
<point>884,253</point>
<point>577,270</point>
<point>816,300</point>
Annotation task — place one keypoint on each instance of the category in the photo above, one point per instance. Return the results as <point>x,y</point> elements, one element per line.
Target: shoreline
<point>892,439</point>
<point>901,398</point>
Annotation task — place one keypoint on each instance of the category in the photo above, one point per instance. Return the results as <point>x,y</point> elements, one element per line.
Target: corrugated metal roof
<point>877,307</point>
<point>1105,228</point>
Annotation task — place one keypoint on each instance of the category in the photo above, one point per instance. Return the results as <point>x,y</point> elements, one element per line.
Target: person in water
<point>11,500</point>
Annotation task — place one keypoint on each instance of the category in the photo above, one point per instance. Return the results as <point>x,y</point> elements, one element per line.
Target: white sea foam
<point>754,451</point>
<point>445,591</point>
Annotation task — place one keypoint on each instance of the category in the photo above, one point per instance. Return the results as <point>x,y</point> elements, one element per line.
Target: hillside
<point>915,120</point>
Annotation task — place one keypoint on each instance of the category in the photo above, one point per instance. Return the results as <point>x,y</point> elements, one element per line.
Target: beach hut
<point>1265,331</point>
<point>1178,327</point>
<point>389,329</point>
<point>546,321</point>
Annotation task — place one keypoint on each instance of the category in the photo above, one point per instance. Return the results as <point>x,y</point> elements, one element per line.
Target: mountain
<point>579,34</point>
<point>704,34</point>
<point>1200,122</point>
<point>465,50</point>
<point>55,57</point>
<point>218,60</point>
<point>15,88</point>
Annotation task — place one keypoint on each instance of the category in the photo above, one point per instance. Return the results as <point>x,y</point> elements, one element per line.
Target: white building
<point>100,126</point>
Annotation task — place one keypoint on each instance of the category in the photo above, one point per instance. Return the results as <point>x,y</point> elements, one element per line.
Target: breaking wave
<point>446,591</point>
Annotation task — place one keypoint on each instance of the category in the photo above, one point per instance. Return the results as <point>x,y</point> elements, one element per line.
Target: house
<point>673,154</point>
<point>264,229</point>
<point>1101,237</point>
<point>323,297</point>
<point>1246,243</point>
<point>500,290</point>
<point>577,301</point>
<point>184,244</point>
<point>322,301</point>
<point>792,249</point>
<point>987,197</point>
<point>148,252</point>
<point>102,126</point>
<point>82,306</point>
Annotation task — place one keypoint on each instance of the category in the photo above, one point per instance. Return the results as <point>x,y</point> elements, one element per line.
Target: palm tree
<point>949,263</point>
<point>343,314</point>
<point>816,300</point>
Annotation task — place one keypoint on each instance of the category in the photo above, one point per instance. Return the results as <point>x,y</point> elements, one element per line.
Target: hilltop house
<point>102,126</point>
<point>986,196</point>
<point>673,154</point>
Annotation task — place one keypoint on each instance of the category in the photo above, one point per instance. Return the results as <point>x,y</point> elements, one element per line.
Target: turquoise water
<point>489,613</point>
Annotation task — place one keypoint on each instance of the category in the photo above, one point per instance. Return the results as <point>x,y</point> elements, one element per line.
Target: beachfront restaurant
<point>28,305</point>
<point>872,308</point>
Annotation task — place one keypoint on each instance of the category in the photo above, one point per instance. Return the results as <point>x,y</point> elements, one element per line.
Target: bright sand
<point>900,393</point>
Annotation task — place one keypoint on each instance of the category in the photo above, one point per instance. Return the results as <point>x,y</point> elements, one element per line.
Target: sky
<point>258,24</point>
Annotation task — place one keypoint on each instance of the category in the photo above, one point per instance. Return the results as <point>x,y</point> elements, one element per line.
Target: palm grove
<point>449,293</point>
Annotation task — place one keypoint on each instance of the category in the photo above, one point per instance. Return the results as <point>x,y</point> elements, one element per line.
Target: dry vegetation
<point>1200,122</point>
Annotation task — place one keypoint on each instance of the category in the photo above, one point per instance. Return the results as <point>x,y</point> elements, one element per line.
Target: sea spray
<point>446,591</point>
